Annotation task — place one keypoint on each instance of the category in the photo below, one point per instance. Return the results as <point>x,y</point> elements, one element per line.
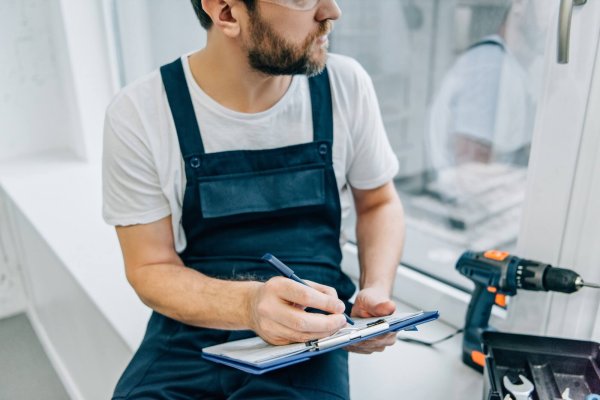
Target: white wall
<point>55,77</point>
<point>37,106</point>
<point>151,33</point>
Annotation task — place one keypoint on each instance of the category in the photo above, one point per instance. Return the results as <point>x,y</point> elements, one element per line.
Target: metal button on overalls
<point>237,206</point>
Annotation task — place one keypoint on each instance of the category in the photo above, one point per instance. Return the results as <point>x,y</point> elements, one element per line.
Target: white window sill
<point>61,198</point>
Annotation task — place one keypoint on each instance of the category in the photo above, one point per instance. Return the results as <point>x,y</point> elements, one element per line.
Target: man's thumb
<point>378,305</point>
<point>383,308</point>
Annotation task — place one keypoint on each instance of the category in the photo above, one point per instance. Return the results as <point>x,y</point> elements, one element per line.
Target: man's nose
<point>328,9</point>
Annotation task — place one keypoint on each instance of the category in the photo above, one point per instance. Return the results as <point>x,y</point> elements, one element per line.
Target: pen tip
<point>267,256</point>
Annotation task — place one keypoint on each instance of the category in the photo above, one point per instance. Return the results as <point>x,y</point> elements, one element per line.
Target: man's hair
<point>205,20</point>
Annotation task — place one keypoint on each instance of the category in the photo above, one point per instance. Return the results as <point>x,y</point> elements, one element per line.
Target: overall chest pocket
<point>274,190</point>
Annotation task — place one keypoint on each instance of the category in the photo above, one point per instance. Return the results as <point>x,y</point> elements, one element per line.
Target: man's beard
<point>273,55</point>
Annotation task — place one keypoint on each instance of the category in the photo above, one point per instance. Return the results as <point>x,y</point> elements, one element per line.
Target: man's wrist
<point>250,290</point>
<point>383,287</point>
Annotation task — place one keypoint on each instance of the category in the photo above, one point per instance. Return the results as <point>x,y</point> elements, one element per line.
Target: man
<point>232,152</point>
<point>484,110</point>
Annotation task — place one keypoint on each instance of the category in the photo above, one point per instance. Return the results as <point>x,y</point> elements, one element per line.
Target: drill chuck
<point>533,275</point>
<point>562,280</point>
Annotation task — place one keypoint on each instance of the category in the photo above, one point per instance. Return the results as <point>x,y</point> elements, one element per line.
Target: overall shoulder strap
<point>182,109</point>
<point>322,108</point>
<point>487,42</point>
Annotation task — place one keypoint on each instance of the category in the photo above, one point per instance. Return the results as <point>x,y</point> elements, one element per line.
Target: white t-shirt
<point>485,95</point>
<point>143,171</point>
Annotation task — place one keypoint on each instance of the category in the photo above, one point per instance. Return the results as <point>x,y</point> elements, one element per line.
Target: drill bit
<point>579,283</point>
<point>591,285</point>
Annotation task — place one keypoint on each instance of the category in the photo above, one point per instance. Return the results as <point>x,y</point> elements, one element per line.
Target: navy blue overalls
<point>239,205</point>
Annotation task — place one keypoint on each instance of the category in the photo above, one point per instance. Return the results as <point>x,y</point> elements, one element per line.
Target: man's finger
<point>385,308</point>
<point>306,296</point>
<point>377,306</point>
<point>373,302</point>
<point>328,290</point>
<point>304,322</point>
<point>377,344</point>
<point>357,348</point>
<point>284,335</point>
<point>387,339</point>
<point>384,340</point>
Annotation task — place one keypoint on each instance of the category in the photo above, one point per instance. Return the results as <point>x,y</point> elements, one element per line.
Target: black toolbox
<point>551,364</point>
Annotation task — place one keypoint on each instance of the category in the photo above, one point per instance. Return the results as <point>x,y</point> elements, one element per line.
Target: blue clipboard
<point>313,350</point>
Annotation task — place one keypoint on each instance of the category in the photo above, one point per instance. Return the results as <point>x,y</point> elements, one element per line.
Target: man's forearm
<point>191,297</point>
<point>380,236</point>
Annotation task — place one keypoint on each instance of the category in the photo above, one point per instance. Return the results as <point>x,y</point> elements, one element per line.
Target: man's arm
<point>165,284</point>
<point>468,149</point>
<point>380,236</point>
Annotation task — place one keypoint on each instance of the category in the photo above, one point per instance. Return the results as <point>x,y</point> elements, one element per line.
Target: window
<point>458,84</point>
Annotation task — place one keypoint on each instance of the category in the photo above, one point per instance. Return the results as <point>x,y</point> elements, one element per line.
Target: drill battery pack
<point>556,367</point>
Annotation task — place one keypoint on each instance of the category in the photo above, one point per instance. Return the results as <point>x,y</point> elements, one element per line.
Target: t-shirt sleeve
<point>132,193</point>
<point>373,163</point>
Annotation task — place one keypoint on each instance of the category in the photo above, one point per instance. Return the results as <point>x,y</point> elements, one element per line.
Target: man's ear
<point>225,15</point>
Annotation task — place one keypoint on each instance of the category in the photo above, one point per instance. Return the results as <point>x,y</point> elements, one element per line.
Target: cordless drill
<point>498,274</point>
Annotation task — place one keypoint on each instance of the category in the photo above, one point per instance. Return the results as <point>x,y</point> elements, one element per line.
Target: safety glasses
<point>299,5</point>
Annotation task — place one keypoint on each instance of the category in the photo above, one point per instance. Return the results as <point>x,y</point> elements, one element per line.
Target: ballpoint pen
<point>288,273</point>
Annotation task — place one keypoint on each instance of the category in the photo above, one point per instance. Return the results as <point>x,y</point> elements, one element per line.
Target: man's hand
<point>277,315</point>
<point>369,303</point>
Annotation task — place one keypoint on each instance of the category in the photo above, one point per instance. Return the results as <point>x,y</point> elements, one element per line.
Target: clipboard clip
<point>371,328</point>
